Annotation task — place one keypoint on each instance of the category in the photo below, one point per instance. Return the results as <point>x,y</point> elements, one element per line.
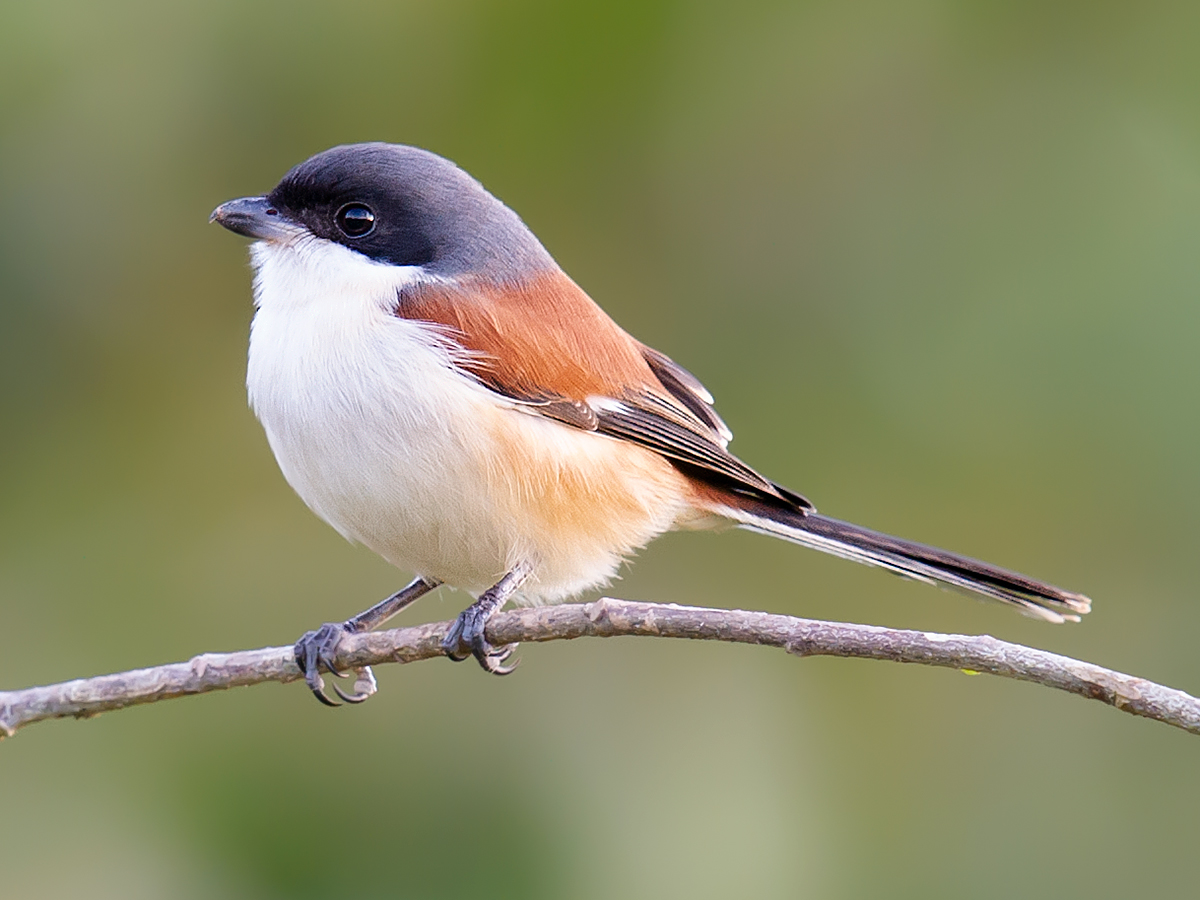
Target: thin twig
<point>610,618</point>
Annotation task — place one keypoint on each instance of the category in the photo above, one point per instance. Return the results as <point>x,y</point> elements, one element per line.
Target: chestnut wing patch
<point>578,367</point>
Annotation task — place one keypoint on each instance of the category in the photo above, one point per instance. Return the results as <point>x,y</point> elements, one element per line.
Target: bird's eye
<point>355,220</point>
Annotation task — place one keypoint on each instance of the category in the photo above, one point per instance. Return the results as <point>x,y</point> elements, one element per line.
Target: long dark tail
<point>929,564</point>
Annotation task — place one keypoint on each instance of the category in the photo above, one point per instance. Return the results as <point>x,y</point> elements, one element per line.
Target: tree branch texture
<point>87,697</point>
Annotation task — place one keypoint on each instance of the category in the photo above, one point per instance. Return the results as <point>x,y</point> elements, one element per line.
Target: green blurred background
<point>938,262</point>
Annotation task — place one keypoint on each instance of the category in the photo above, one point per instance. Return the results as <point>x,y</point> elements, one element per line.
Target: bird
<point>435,387</point>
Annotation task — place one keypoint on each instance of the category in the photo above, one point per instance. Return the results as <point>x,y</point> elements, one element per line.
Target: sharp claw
<point>491,658</point>
<point>349,698</point>
<point>495,667</point>
<point>364,686</point>
<point>503,653</point>
<point>316,684</point>
<point>320,696</point>
<point>466,638</point>
<point>505,670</point>
<point>311,656</point>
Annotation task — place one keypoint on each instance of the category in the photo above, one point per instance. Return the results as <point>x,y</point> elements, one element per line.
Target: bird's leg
<point>319,648</point>
<point>466,637</point>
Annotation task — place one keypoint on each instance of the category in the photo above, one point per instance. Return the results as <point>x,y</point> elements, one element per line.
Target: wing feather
<point>579,368</point>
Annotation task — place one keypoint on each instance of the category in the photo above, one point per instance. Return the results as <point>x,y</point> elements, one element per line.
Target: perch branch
<point>87,697</point>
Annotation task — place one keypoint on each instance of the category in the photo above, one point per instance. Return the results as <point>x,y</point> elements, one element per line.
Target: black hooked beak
<point>253,217</point>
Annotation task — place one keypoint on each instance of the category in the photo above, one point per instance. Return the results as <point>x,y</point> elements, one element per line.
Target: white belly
<point>395,448</point>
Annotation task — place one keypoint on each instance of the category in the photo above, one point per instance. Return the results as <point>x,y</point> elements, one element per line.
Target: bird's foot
<point>319,648</point>
<point>466,638</point>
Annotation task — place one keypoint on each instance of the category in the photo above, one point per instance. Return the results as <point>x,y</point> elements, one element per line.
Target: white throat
<point>308,272</point>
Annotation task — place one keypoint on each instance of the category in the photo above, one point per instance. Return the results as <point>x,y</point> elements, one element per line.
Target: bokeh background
<point>937,261</point>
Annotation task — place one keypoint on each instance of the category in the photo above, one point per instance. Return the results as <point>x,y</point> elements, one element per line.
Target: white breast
<point>393,446</point>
